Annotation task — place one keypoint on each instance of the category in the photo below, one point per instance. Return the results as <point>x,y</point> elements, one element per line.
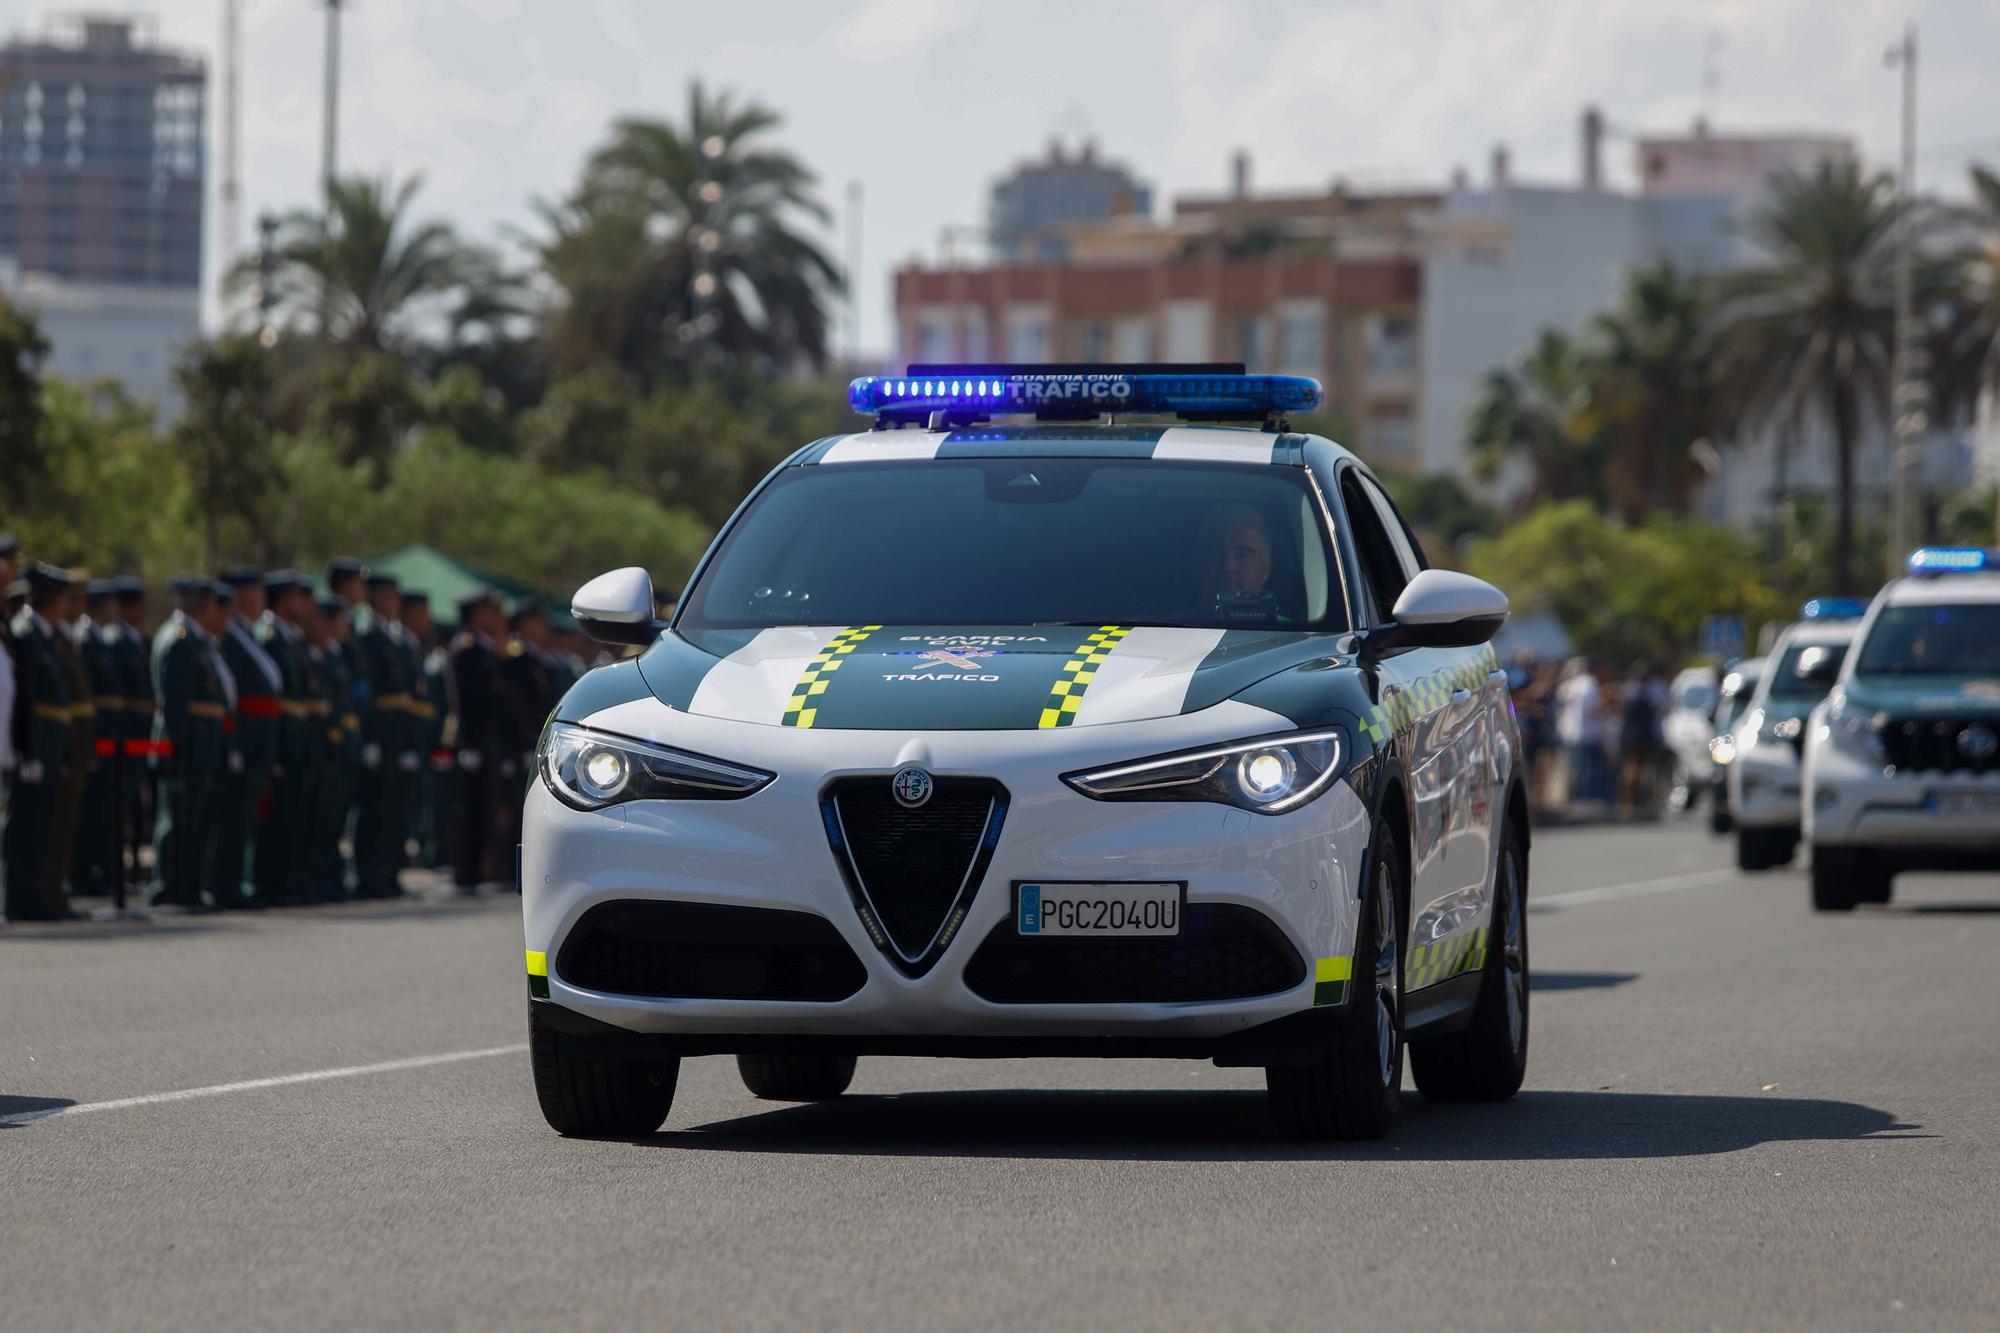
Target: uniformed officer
<point>427,716</point>
<point>342,734</point>
<point>383,684</point>
<point>531,685</point>
<point>284,866</point>
<point>10,549</point>
<point>135,675</point>
<point>97,868</point>
<point>193,718</point>
<point>41,749</point>
<point>67,611</point>
<point>260,691</point>
<point>485,736</point>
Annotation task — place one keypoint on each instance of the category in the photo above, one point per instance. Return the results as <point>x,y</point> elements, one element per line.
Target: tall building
<point>1030,207</point>
<point>101,189</point>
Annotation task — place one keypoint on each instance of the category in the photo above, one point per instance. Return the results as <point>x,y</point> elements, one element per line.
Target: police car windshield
<point>1025,541</point>
<point>1933,641</point>
<point>1789,686</point>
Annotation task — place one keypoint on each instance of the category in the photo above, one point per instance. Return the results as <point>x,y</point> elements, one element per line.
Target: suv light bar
<point>968,393</point>
<point>1929,560</point>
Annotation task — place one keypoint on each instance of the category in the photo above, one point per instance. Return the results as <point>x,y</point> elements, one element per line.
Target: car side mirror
<point>617,607</point>
<point>1441,608</point>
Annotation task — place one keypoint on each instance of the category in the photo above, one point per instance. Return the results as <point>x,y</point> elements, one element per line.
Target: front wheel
<point>1353,1086</point>
<point>1487,1060</point>
<point>1764,848</point>
<point>1842,880</point>
<point>586,1097</point>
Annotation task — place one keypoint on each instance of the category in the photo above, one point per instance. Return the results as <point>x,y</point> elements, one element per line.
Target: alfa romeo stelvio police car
<point>1902,764</point>
<point>1015,726</point>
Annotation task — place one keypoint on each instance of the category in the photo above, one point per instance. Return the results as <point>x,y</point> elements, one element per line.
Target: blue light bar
<point>1951,560</point>
<point>1835,608</point>
<point>1081,394</point>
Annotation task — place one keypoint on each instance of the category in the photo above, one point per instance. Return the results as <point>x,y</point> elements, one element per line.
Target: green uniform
<point>383,686</point>
<point>130,657</point>
<point>240,795</point>
<point>41,755</point>
<point>284,863</point>
<point>342,761</point>
<point>99,862</point>
<point>193,720</point>
<point>430,709</point>
<point>82,753</point>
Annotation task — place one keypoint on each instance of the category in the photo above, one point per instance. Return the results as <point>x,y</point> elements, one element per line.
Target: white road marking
<point>253,1084</point>
<point>1639,889</point>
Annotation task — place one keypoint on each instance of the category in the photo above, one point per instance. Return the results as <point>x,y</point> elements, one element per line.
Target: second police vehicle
<point>1049,716</point>
<point>1902,762</point>
<point>1768,741</point>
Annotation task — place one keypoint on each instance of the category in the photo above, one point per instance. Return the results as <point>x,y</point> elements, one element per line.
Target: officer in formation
<point>273,747</point>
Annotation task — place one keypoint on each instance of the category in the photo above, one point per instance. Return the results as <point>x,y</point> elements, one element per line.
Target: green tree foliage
<point>363,405</point>
<point>1445,514</point>
<point>1624,593</point>
<point>222,443</point>
<point>1539,412</point>
<point>23,450</point>
<point>683,248</point>
<point>1811,329</point>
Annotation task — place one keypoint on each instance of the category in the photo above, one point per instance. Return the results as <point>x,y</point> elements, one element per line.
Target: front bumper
<point>1765,786</point>
<point>1299,870</point>
<point>1854,804</point>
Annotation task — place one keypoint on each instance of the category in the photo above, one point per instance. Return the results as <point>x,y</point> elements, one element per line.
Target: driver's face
<point>1244,559</point>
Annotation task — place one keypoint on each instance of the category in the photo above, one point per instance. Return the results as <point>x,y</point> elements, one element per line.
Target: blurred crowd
<point>269,742</point>
<point>1594,743</point>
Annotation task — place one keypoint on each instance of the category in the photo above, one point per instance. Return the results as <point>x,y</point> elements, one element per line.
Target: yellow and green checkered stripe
<point>1330,978</point>
<point>1441,960</point>
<point>803,706</point>
<point>1427,694</point>
<point>1066,695</point>
<point>538,974</point>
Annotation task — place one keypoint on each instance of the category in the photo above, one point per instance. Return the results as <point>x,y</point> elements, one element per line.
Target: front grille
<point>708,951</point>
<point>911,867</point>
<point>1223,952</point>
<point>1928,745</point>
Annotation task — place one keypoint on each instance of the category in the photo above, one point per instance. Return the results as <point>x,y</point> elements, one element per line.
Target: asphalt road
<point>1737,1114</point>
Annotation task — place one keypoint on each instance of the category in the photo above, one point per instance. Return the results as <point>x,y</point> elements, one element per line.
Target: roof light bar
<point>1928,560</point>
<point>1834,608</point>
<point>1071,393</point>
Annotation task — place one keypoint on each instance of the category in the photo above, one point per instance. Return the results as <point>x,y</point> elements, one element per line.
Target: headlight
<point>1855,734</point>
<point>1267,776</point>
<point>1723,749</point>
<point>1746,731</point>
<point>592,769</point>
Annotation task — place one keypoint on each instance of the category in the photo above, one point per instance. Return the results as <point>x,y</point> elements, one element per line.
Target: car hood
<point>976,678</point>
<point>1944,698</point>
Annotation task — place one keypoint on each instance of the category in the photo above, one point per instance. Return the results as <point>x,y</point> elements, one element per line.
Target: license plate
<point>1099,909</point>
<point>1976,803</point>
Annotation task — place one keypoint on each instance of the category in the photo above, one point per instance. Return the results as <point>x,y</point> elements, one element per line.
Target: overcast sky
<point>925,101</point>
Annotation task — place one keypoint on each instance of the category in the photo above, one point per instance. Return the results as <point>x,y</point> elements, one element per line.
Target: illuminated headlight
<point>593,769</point>
<point>1746,734</point>
<point>1855,734</point>
<point>1267,776</point>
<point>1723,749</point>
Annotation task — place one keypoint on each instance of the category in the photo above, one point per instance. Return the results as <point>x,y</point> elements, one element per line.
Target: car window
<point>1933,640</point>
<point>1400,536</point>
<point>1791,687</point>
<point>1024,541</point>
<point>1386,568</point>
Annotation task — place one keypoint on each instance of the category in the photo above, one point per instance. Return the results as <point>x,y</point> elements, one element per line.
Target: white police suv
<point>1768,741</point>
<point>1902,766</point>
<point>1026,723</point>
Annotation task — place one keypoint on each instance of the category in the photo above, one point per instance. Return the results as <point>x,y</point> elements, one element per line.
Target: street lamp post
<point>1908,395</point>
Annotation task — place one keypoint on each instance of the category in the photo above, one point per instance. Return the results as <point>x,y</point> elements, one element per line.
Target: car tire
<point>1842,880</point>
<point>1720,821</point>
<point>1486,1061</point>
<point>1764,848</point>
<point>796,1077</point>
<point>1353,1086</point>
<point>583,1096</point>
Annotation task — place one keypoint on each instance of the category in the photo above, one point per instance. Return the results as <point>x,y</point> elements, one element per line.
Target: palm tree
<point>1540,411</point>
<point>1653,390</point>
<point>1810,329</point>
<point>364,272</point>
<point>703,219</point>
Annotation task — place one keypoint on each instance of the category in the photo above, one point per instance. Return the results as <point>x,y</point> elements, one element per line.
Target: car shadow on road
<point>1236,1126</point>
<point>1941,909</point>
<point>18,1111</point>
<point>1548,981</point>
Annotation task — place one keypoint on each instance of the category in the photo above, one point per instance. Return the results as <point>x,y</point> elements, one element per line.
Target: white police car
<point>1903,762</point>
<point>1733,695</point>
<point>1763,775</point>
<point>1001,729</point>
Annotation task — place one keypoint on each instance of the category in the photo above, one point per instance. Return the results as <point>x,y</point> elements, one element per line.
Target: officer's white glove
<point>470,760</point>
<point>235,761</point>
<point>409,761</point>
<point>30,771</point>
<point>371,755</point>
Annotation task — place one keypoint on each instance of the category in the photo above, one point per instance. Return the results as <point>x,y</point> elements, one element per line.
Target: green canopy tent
<point>428,570</point>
